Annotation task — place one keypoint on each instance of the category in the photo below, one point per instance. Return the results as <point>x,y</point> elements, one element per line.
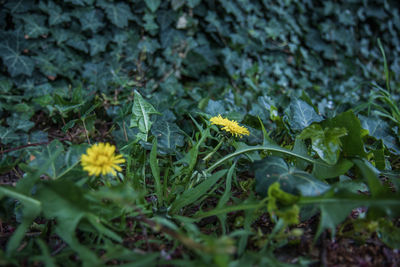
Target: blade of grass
<point>156,172</point>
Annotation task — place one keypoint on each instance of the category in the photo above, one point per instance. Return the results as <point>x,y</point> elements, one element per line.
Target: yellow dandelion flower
<point>100,159</point>
<point>230,126</point>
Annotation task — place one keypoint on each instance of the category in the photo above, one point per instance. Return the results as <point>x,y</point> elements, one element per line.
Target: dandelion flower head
<point>101,159</point>
<point>230,126</point>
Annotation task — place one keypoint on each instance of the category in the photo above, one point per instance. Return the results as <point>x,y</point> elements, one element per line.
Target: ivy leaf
<point>11,47</point>
<point>80,2</point>
<point>97,44</point>
<point>8,136</point>
<point>62,164</point>
<point>153,4</point>
<point>18,122</point>
<point>91,19</point>
<point>56,14</point>
<point>379,129</point>
<point>119,14</point>
<point>141,112</point>
<point>168,134</point>
<point>301,115</point>
<point>20,6</point>
<point>274,169</point>
<point>34,25</point>
<point>97,74</point>
<point>326,142</point>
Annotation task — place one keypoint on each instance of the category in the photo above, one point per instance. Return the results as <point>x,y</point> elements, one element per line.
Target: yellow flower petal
<point>101,159</point>
<point>230,126</point>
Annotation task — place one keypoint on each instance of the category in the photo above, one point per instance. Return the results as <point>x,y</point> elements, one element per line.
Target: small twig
<point>61,247</point>
<point>86,132</point>
<point>29,145</point>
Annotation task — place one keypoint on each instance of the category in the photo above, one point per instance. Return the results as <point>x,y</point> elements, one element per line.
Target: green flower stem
<point>214,150</point>
<point>268,148</point>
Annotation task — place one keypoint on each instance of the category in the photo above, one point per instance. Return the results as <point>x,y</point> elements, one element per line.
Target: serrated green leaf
<point>293,181</point>
<point>91,19</point>
<point>141,111</point>
<point>352,144</point>
<point>11,48</point>
<point>56,14</point>
<point>118,13</point>
<point>19,6</point>
<point>301,115</point>
<point>326,142</point>
<point>153,4</point>
<point>97,44</point>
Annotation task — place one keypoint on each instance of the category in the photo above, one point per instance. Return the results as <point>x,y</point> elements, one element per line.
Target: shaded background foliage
<point>183,50</point>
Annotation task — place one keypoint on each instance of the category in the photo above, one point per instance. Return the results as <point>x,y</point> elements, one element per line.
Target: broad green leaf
<point>352,144</point>
<point>336,204</point>
<point>11,48</point>
<point>8,136</point>
<point>299,148</point>
<point>301,115</point>
<point>19,6</point>
<point>56,14</point>
<point>141,112</point>
<point>153,4</point>
<point>61,165</point>
<point>380,129</point>
<point>321,171</point>
<point>293,181</point>
<point>31,209</point>
<point>118,13</point>
<point>91,19</point>
<point>20,122</point>
<point>389,234</point>
<point>168,134</point>
<point>191,195</point>
<point>370,175</point>
<point>5,84</point>
<point>34,25</point>
<point>97,44</point>
<point>65,202</point>
<point>326,142</point>
<point>98,75</point>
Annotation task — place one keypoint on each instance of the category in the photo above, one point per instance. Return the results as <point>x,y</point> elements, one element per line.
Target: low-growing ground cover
<point>193,133</point>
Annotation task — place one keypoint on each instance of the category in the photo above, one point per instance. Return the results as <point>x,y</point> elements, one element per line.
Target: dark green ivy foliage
<point>48,48</point>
